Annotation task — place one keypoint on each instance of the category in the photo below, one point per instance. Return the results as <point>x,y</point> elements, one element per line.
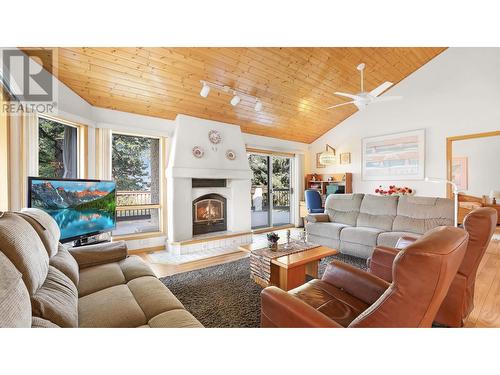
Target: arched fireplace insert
<point>209,214</point>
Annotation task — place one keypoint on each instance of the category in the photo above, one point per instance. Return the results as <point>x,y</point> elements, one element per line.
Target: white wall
<point>483,164</point>
<point>456,93</point>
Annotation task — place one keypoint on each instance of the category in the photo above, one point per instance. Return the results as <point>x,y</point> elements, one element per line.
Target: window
<point>58,149</point>
<point>271,190</point>
<point>136,168</point>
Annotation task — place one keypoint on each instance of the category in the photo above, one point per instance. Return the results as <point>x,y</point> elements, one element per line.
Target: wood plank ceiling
<point>295,85</point>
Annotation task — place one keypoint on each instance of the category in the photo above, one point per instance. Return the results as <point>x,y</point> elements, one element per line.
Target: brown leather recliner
<point>349,297</point>
<point>459,301</point>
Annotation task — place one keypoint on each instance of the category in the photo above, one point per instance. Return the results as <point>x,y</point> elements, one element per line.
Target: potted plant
<point>272,241</point>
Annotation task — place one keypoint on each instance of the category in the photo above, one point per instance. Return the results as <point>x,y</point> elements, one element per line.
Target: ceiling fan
<point>362,99</point>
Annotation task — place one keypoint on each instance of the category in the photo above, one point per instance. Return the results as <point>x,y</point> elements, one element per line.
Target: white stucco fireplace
<point>231,176</point>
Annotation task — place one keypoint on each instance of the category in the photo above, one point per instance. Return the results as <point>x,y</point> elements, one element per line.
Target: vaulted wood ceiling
<point>294,84</point>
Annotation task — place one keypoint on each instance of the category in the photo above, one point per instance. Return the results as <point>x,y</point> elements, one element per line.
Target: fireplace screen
<point>209,214</point>
<point>209,210</point>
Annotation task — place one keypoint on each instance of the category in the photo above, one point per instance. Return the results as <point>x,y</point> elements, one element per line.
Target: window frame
<point>161,205</point>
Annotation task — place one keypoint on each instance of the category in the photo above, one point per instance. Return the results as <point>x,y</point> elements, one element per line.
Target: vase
<point>273,246</point>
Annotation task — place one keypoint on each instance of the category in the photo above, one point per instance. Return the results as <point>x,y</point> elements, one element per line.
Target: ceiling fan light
<point>205,90</point>
<point>258,106</point>
<point>235,100</point>
<point>327,158</point>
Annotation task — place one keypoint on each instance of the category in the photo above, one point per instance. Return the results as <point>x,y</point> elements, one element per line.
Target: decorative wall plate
<point>230,154</point>
<point>214,136</point>
<point>198,152</point>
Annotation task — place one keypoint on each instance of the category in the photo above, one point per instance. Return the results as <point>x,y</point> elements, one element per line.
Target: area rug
<point>224,296</point>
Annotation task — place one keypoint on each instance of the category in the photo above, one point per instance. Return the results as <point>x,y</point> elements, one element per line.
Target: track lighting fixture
<point>235,100</point>
<point>205,90</point>
<point>237,95</point>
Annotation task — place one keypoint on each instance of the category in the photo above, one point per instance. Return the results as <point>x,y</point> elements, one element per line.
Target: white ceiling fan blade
<point>340,105</point>
<point>380,89</point>
<point>354,97</point>
<point>387,99</point>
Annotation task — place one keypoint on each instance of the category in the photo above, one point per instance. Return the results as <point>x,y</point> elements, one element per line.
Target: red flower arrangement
<point>395,190</point>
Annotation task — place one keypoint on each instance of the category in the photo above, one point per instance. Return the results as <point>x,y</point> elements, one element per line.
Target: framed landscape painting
<point>398,156</point>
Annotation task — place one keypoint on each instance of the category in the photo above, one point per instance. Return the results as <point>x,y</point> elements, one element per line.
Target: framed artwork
<point>318,164</point>
<point>345,158</point>
<point>399,156</point>
<point>459,172</point>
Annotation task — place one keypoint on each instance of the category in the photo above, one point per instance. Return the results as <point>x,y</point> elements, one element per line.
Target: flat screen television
<point>81,208</point>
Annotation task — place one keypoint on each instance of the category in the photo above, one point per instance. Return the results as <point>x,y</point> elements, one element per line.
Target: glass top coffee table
<point>289,271</point>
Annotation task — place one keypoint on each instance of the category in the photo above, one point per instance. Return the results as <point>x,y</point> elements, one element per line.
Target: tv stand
<point>92,240</point>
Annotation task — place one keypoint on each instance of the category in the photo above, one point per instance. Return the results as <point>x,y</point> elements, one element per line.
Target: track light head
<point>235,100</point>
<point>205,90</point>
<point>258,106</point>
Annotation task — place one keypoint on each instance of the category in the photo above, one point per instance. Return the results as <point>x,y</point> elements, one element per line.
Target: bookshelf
<point>338,183</point>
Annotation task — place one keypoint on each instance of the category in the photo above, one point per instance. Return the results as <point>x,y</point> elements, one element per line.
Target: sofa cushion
<point>174,319</point>
<point>317,218</point>
<point>152,296</point>
<point>343,208</point>
<point>93,279</point>
<point>134,267</point>
<point>360,235</point>
<point>38,322</point>
<point>110,307</point>
<point>15,306</point>
<point>65,263</point>
<point>45,226</point>
<point>57,300</point>
<point>21,244</point>
<point>391,238</point>
<point>330,230</point>
<point>331,301</point>
<point>377,212</point>
<point>420,214</point>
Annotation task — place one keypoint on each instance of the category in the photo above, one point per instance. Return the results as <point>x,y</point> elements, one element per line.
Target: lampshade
<point>327,157</point>
<point>495,194</point>
<point>205,90</point>
<point>235,100</point>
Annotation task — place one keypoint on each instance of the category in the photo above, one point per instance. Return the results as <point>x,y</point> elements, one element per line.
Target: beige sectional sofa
<point>46,284</point>
<point>356,223</point>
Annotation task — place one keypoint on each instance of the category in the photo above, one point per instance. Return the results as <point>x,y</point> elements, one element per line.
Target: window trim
<point>160,206</point>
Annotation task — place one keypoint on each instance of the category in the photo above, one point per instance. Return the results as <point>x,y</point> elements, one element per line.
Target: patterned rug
<point>224,296</point>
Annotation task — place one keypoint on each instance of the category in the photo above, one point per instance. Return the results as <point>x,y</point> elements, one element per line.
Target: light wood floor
<point>486,312</point>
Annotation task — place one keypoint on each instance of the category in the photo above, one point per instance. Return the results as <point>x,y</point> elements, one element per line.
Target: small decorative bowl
<point>198,152</point>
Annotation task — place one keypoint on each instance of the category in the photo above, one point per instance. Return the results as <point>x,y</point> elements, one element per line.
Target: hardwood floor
<point>486,313</point>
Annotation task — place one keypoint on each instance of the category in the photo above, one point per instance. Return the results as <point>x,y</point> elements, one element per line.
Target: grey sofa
<point>44,284</point>
<point>356,223</point>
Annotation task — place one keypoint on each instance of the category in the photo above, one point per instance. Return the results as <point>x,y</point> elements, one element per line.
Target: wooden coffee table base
<point>289,272</point>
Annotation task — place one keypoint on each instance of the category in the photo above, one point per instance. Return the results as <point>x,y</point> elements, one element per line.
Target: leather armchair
<point>459,301</point>
<point>349,297</point>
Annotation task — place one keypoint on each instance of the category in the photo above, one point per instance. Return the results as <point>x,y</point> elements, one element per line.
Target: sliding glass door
<point>281,190</point>
<point>271,190</point>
